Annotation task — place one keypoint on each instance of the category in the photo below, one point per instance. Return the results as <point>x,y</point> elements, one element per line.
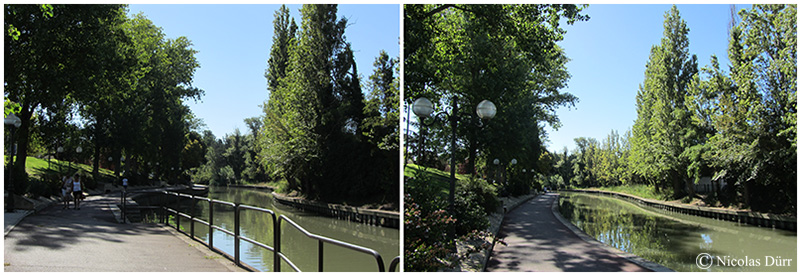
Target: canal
<point>679,241</point>
<point>301,250</point>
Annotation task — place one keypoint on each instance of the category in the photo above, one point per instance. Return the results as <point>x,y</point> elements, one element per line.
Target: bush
<point>426,224</point>
<point>46,187</point>
<point>518,187</point>
<point>483,193</point>
<point>427,245</point>
<point>468,214</point>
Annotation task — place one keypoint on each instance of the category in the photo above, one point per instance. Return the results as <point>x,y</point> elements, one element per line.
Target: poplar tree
<point>663,129</point>
<point>313,133</point>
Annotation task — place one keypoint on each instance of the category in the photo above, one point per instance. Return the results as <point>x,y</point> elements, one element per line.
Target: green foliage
<point>663,129</point>
<point>314,125</point>
<point>639,190</point>
<point>427,246</point>
<point>426,225</point>
<point>382,104</point>
<point>125,82</point>
<point>481,192</point>
<point>453,57</point>
<point>425,237</point>
<point>739,126</point>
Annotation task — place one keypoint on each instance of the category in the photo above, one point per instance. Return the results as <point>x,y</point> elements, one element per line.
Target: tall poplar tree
<point>314,118</point>
<point>663,129</point>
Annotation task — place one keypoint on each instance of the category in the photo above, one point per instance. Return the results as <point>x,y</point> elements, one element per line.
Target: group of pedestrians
<point>71,190</point>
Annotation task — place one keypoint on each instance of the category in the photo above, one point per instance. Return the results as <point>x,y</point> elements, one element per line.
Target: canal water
<point>679,241</point>
<point>302,251</point>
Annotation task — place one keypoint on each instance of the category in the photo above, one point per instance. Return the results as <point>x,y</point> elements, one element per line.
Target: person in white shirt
<point>76,191</point>
<point>66,190</point>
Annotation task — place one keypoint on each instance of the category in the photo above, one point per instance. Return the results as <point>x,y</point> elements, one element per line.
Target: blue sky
<point>609,53</point>
<point>233,43</point>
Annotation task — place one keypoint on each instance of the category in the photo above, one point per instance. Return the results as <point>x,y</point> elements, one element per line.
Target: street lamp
<point>423,108</point>
<point>78,150</point>
<point>11,120</point>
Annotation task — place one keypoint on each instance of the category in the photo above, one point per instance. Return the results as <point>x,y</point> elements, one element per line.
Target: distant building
<point>705,184</point>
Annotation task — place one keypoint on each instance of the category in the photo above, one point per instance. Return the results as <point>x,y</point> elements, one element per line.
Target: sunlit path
<point>537,241</point>
<point>90,239</point>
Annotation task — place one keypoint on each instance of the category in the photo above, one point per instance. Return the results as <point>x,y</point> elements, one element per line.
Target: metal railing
<point>278,255</point>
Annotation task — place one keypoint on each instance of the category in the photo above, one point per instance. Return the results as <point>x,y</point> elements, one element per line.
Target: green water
<point>678,241</point>
<point>300,249</point>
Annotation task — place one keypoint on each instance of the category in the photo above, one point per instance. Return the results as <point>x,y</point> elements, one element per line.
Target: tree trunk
<point>22,136</point>
<point>96,163</point>
<point>677,186</point>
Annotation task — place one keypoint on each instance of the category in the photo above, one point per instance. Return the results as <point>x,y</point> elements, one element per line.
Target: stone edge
<point>585,237</point>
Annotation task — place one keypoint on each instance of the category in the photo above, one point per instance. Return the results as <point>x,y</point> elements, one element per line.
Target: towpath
<point>91,239</point>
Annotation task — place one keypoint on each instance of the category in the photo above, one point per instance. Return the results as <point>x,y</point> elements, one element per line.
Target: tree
<point>284,33</point>
<point>459,55</point>
<point>753,111</point>
<point>382,105</point>
<point>314,117</point>
<point>663,130</point>
<point>235,148</point>
<point>54,53</point>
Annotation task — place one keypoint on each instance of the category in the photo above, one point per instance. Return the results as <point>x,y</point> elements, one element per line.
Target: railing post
<point>191,216</point>
<point>211,223</point>
<point>236,234</point>
<point>276,243</point>
<point>178,213</point>
<point>320,256</point>
<point>123,205</point>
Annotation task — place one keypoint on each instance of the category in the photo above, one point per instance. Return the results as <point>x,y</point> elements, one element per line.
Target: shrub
<point>426,242</point>
<point>427,245</point>
<point>518,187</point>
<point>426,223</point>
<point>482,192</point>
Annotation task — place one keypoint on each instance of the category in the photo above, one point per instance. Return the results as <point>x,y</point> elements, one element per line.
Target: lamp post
<point>11,120</point>
<point>423,108</point>
<point>60,151</point>
<point>78,151</point>
<point>496,169</point>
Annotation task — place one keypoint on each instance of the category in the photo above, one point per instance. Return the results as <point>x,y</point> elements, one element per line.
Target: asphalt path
<point>537,241</point>
<point>91,239</point>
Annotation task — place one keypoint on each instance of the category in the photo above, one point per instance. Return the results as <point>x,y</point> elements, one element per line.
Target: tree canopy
<point>459,55</point>
<point>115,80</point>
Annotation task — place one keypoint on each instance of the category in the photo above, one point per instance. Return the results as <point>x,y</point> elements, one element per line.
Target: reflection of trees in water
<point>629,228</point>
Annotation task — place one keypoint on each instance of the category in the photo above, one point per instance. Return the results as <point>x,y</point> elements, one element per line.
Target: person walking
<point>76,191</point>
<point>66,190</point>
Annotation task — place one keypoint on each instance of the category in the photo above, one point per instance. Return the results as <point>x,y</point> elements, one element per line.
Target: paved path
<point>90,239</point>
<point>538,241</point>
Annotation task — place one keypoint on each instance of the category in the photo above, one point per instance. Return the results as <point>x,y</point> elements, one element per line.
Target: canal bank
<point>738,216</point>
<point>376,217</point>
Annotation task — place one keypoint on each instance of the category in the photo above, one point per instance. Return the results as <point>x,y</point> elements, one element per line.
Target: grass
<point>440,179</point>
<point>280,186</point>
<point>642,191</point>
<point>36,167</point>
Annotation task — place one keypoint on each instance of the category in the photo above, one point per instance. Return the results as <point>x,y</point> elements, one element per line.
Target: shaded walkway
<point>90,239</point>
<point>537,241</point>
